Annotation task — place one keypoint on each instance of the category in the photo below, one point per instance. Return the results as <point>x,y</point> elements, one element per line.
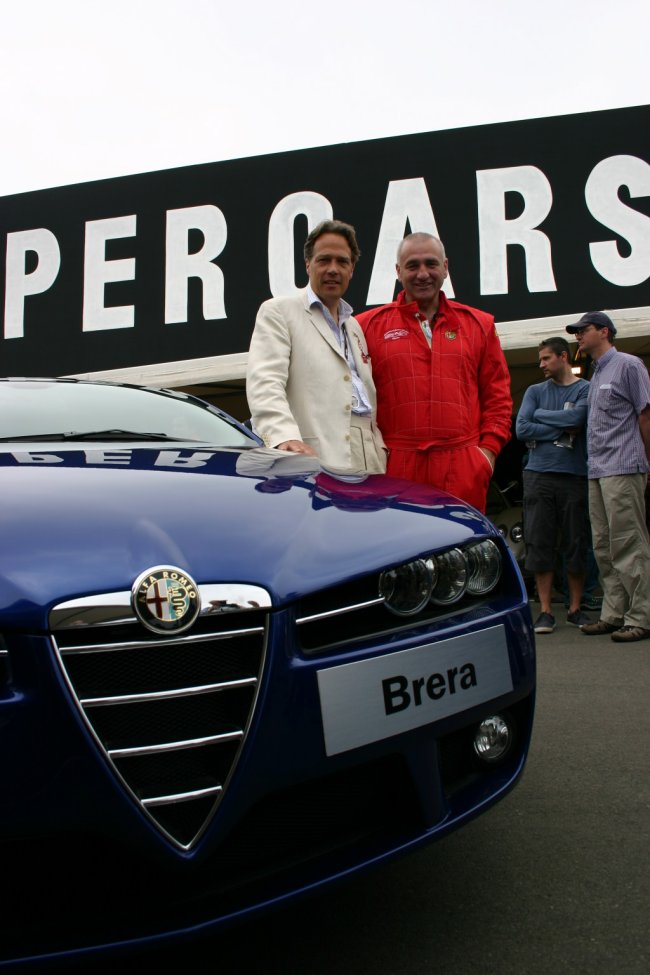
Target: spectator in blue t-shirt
<point>552,422</point>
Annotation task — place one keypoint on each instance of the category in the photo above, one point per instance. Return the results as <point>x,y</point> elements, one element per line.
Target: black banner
<point>539,218</point>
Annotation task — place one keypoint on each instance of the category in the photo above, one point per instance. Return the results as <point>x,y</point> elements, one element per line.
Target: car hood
<point>77,522</point>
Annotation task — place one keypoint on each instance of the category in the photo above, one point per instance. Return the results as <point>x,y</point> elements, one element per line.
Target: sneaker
<point>630,634</point>
<point>591,602</point>
<point>545,623</point>
<point>600,627</point>
<point>578,618</point>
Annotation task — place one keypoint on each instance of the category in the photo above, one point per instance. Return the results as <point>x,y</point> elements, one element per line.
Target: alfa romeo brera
<point>227,675</point>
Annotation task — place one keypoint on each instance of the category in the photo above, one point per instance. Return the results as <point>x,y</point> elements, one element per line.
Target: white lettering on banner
<point>601,195</point>
<point>180,265</point>
<point>44,244</point>
<point>98,272</point>
<point>281,236</point>
<point>407,205</point>
<point>496,232</point>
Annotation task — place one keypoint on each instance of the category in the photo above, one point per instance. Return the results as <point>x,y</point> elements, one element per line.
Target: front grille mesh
<point>170,713</point>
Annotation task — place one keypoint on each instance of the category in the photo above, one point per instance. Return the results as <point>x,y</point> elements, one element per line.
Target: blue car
<point>227,675</point>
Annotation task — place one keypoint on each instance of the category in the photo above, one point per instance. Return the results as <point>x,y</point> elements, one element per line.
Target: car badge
<point>165,599</point>
<point>451,335</point>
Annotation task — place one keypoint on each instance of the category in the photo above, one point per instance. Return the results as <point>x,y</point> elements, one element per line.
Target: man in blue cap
<point>618,446</point>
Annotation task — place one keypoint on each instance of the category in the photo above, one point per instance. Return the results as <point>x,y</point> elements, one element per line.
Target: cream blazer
<point>298,382</point>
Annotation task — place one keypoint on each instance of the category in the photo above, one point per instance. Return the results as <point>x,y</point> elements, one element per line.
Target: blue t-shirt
<point>543,423</point>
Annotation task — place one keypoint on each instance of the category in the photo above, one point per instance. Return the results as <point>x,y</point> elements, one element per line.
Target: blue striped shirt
<point>618,392</point>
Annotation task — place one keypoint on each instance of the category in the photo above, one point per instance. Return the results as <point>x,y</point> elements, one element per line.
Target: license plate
<point>384,696</point>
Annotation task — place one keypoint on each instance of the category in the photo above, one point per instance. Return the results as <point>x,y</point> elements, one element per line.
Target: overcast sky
<point>93,89</point>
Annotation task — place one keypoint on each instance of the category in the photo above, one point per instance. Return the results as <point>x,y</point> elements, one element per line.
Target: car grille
<point>170,713</point>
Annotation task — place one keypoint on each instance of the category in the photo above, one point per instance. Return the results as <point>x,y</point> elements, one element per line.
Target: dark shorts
<point>556,519</point>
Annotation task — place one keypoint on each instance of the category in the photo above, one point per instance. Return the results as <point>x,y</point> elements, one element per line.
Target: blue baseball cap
<point>597,318</point>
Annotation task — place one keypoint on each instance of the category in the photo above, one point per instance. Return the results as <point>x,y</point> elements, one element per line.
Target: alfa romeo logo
<point>165,599</point>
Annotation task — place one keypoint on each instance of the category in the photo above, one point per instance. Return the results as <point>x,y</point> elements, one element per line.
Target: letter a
<point>407,205</point>
<point>467,676</point>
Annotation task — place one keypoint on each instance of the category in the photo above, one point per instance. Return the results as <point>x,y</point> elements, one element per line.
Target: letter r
<point>497,232</point>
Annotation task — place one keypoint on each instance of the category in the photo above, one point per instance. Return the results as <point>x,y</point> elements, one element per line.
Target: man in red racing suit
<point>443,388</point>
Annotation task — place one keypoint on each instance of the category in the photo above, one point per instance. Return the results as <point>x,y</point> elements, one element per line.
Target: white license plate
<point>385,696</point>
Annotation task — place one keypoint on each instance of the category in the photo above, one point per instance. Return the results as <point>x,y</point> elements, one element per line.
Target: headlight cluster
<point>441,579</point>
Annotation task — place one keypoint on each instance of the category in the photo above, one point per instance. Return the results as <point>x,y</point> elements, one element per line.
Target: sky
<point>90,89</point>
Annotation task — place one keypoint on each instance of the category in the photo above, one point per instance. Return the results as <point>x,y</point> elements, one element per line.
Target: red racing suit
<point>437,405</point>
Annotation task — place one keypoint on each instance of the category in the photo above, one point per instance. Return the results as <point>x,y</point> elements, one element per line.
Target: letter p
<point>20,284</point>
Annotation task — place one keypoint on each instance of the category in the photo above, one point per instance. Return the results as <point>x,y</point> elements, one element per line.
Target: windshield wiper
<point>93,435</point>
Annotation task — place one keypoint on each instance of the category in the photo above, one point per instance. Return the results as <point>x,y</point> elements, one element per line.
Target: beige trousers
<point>621,547</point>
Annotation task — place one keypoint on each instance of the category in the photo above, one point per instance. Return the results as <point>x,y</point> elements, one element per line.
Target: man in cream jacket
<point>309,381</point>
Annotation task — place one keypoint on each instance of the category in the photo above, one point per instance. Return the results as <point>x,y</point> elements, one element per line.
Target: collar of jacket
<point>411,307</point>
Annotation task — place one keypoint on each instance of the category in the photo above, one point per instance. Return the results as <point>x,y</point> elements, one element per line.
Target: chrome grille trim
<point>170,715</point>
<point>162,642</point>
<point>341,610</point>
<point>182,796</point>
<point>100,702</point>
<point>175,746</point>
<point>115,608</point>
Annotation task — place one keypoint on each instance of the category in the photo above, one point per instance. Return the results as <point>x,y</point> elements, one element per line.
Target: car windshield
<point>42,409</point>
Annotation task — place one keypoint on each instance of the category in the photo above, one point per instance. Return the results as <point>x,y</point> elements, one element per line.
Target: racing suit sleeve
<point>494,395</point>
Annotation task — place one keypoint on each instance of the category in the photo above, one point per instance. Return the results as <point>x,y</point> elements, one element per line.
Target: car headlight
<point>484,565</point>
<point>443,579</point>
<point>452,577</point>
<point>406,589</point>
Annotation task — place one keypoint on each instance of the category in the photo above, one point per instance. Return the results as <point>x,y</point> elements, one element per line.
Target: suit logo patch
<point>451,335</point>
<point>396,333</point>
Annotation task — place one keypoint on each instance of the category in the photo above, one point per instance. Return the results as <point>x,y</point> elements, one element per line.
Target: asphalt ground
<point>554,879</point>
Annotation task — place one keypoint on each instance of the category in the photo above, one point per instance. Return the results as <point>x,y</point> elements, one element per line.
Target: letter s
<point>601,196</point>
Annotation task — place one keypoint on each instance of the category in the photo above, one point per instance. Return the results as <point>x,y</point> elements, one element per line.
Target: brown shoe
<point>600,628</point>
<point>630,634</point>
